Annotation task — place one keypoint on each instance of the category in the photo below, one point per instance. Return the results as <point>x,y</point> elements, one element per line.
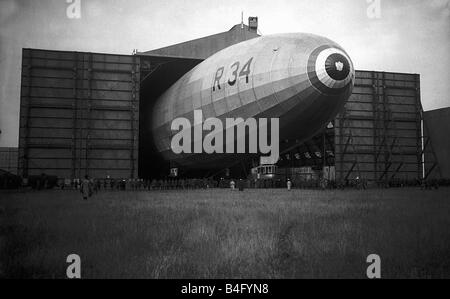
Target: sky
<point>411,36</point>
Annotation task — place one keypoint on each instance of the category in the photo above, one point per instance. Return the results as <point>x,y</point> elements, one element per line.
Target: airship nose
<point>330,70</point>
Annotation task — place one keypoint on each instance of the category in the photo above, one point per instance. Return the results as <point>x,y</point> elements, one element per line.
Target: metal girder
<point>151,70</point>
<point>89,112</point>
<point>431,170</point>
<point>429,144</point>
<point>25,157</point>
<point>347,144</point>
<point>133,105</point>
<point>74,114</point>
<point>386,170</point>
<point>380,147</point>
<point>349,140</point>
<point>397,170</point>
<point>351,170</point>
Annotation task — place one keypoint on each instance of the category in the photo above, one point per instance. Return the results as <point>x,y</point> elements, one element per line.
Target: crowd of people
<point>144,185</point>
<point>43,182</point>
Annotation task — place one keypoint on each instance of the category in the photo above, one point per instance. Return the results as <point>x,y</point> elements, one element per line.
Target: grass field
<point>224,234</point>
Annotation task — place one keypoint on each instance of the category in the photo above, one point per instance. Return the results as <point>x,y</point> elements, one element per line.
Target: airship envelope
<point>303,80</point>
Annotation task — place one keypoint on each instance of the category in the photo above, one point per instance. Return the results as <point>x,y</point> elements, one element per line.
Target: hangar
<point>86,113</point>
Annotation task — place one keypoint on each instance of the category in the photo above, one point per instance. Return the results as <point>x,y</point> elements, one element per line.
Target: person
<point>86,188</point>
<point>241,185</point>
<point>232,185</point>
<point>289,185</point>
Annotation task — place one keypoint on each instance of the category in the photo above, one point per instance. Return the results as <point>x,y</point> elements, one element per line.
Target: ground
<point>226,234</point>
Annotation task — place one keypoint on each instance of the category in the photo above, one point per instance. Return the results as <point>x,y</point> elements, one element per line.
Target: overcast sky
<point>409,36</point>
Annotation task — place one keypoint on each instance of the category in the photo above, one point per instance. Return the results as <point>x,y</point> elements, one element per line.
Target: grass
<point>224,234</point>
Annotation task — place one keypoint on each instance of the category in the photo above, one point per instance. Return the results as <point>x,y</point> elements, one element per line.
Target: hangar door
<point>79,114</point>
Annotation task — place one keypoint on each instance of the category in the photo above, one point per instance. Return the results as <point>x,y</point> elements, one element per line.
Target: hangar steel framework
<point>377,136</point>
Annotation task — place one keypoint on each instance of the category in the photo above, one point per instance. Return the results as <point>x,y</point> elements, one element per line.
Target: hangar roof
<point>204,47</point>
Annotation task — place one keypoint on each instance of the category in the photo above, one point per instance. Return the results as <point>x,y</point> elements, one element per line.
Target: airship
<point>303,80</point>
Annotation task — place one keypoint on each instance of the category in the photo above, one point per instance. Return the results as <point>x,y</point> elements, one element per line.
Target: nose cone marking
<point>337,67</point>
<point>330,70</point>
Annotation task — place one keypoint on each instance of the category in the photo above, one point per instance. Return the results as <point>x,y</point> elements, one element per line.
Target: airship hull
<point>302,79</point>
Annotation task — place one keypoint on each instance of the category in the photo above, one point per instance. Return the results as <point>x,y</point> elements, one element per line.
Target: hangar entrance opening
<point>158,73</point>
